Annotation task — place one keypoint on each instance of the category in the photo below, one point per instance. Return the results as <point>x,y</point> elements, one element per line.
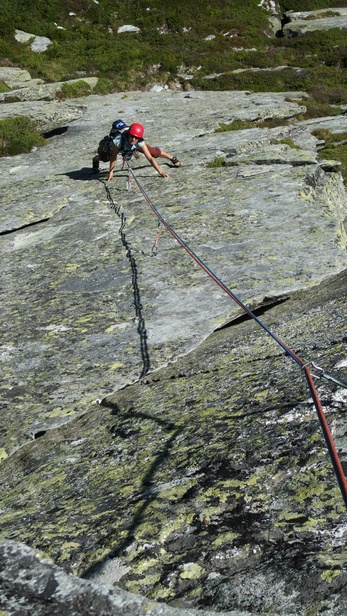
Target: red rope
<point>339,472</point>
<point>156,242</point>
<point>336,462</point>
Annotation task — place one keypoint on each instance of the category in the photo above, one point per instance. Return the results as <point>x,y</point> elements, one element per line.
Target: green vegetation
<point>322,15</point>
<point>216,162</point>
<point>236,125</point>
<point>171,41</point>
<point>18,135</point>
<point>3,87</point>
<point>245,124</point>
<point>310,5</point>
<point>335,147</point>
<point>74,90</point>
<point>286,141</point>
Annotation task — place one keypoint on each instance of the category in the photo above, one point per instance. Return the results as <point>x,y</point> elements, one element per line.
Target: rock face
<point>16,77</point>
<point>129,28</point>
<point>36,90</point>
<point>49,590</point>
<point>49,116</point>
<point>203,475</point>
<point>300,22</point>
<point>39,44</point>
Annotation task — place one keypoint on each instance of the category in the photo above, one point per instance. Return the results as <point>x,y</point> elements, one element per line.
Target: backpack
<point>105,145</point>
<point>105,149</point>
<point>118,126</point>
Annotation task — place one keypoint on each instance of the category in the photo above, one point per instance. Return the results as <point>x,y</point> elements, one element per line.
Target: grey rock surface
<point>16,77</point>
<point>49,591</point>
<point>37,91</point>
<point>308,21</point>
<point>23,37</point>
<point>39,44</point>
<point>48,115</point>
<point>201,476</point>
<point>128,28</point>
<point>206,485</point>
<point>77,251</point>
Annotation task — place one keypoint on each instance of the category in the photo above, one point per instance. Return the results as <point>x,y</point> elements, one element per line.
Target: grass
<point>236,125</point>
<point>171,41</point>
<point>74,90</point>
<point>310,5</point>
<point>286,141</point>
<point>335,147</point>
<point>4,87</point>
<point>18,135</point>
<point>216,162</point>
<point>171,37</point>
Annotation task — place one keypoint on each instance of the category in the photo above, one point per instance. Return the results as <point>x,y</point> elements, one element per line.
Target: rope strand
<point>337,466</point>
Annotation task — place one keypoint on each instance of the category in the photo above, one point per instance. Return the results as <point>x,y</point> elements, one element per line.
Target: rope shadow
<point>147,492</point>
<point>141,326</point>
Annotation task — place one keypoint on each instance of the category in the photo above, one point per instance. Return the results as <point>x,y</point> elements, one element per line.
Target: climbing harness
<point>336,462</point>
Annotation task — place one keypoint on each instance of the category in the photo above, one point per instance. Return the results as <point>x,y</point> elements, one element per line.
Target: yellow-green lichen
<point>3,453</point>
<point>329,574</point>
<point>224,538</point>
<point>191,571</point>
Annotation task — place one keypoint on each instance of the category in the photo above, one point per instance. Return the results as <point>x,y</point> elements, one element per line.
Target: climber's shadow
<point>85,174</point>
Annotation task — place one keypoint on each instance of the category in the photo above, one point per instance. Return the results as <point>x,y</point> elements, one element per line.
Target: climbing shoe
<point>175,162</point>
<point>96,167</point>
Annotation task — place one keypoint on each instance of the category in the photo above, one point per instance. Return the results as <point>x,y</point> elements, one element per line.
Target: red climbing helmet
<point>136,130</point>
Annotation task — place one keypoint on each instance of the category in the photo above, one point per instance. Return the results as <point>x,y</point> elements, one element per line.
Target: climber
<point>130,142</point>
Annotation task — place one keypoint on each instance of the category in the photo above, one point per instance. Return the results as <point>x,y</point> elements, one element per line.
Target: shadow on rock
<point>86,173</point>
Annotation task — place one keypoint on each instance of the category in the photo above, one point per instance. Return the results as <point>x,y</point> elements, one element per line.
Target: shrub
<point>18,135</point>
<point>330,96</point>
<point>104,86</point>
<point>216,162</point>
<point>335,147</point>
<point>243,125</point>
<point>315,109</point>
<point>310,5</point>
<point>74,90</point>
<point>322,133</point>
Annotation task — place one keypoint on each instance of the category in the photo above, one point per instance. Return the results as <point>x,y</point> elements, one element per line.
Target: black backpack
<point>105,148</point>
<point>105,145</point>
